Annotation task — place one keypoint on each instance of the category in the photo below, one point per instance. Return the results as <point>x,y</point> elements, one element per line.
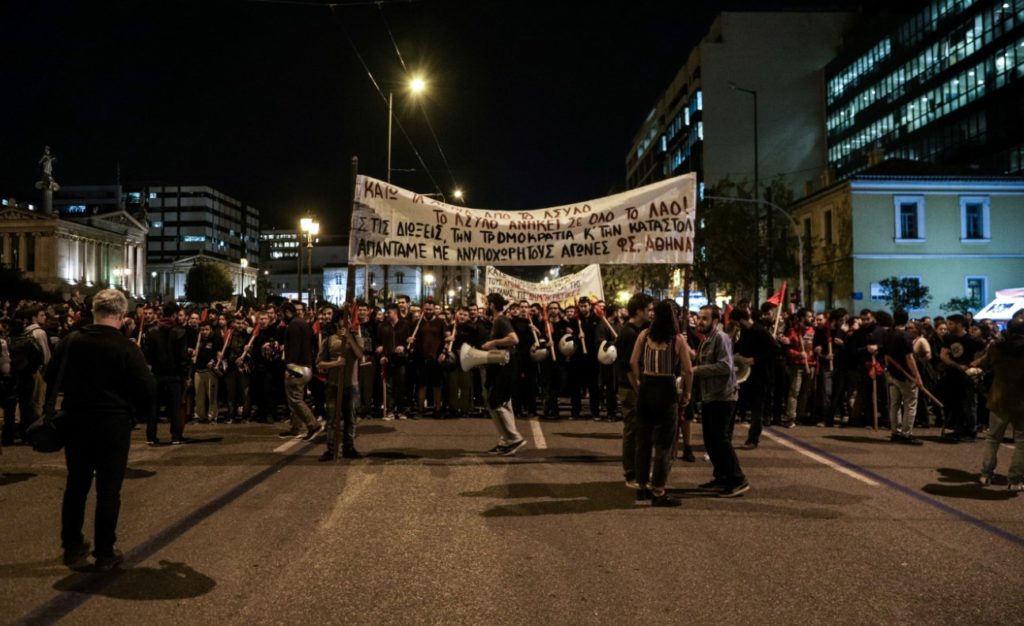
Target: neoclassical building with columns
<point>103,250</point>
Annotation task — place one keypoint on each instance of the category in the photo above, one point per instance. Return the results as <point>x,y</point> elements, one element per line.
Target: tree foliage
<point>15,286</point>
<point>961,305</point>
<point>905,293</point>
<point>207,282</point>
<point>733,242</point>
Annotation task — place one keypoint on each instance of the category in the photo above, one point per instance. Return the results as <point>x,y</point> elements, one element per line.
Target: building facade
<point>944,86</point>
<point>959,235</point>
<point>704,122</point>
<point>100,250</point>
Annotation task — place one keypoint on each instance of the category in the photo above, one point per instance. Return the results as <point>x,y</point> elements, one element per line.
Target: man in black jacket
<point>106,382</point>
<point>166,351</point>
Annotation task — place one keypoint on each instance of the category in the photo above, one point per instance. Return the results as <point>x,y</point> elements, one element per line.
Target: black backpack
<point>26,355</point>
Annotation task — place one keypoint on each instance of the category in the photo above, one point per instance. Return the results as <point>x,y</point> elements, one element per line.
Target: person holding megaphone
<point>500,380</point>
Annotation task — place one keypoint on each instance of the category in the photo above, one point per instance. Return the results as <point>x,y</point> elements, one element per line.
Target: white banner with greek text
<point>564,289</point>
<point>652,224</point>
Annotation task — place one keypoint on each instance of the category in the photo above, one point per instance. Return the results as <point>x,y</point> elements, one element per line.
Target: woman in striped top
<point>659,356</point>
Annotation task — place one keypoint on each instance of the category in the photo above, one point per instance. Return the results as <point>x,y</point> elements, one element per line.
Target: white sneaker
<point>632,484</point>
<point>985,479</point>
<point>388,417</point>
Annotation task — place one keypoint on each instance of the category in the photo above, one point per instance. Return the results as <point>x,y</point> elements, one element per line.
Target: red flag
<point>728,311</point>
<point>779,296</point>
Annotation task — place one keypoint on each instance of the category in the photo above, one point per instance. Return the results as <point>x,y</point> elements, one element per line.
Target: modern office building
<point>944,86</point>
<point>957,232</point>
<point>765,66</point>
<point>186,223</point>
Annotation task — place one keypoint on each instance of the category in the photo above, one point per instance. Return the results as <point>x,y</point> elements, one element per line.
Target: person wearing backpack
<point>166,352</point>
<point>34,316</point>
<point>26,361</point>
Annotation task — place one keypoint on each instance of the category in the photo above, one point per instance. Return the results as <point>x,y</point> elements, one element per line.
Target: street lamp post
<point>416,86</point>
<point>311,228</point>
<point>757,196</point>
<point>799,237</point>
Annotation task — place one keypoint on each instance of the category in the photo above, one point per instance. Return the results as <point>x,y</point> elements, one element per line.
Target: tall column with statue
<point>47,184</point>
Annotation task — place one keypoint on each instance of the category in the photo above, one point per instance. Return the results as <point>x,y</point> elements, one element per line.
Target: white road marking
<point>356,483</point>
<point>820,459</point>
<point>538,435</point>
<point>288,445</point>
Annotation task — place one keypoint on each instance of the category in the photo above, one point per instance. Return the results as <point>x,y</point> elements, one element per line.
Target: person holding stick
<point>798,357</point>
<point>339,357</point>
<point>903,380</point>
<point>391,341</point>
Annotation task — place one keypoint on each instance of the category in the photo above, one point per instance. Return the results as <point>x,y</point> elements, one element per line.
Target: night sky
<point>534,104</point>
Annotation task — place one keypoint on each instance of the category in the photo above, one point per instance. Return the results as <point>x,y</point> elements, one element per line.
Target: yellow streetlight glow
<point>417,85</point>
<point>429,279</point>
<point>458,194</point>
<point>304,224</point>
<point>244,262</point>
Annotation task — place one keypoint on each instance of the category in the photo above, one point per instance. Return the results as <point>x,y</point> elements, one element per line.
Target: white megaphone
<point>470,357</point>
<point>606,353</point>
<point>538,352</point>
<point>299,371</point>
<point>566,345</point>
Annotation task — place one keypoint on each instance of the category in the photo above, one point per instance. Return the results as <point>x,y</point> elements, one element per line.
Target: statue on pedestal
<point>47,185</point>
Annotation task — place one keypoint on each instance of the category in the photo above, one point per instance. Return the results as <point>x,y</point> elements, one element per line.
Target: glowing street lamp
<point>416,87</point>
<point>311,228</point>
<point>457,194</point>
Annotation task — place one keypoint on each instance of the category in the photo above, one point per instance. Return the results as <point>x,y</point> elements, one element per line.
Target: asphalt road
<point>242,528</point>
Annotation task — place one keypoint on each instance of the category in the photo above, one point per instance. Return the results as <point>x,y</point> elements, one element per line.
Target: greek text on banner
<point>564,289</point>
<point>651,224</point>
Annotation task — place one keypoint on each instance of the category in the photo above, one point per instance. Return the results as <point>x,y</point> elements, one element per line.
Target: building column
<point>5,249</point>
<point>22,260</point>
<point>140,265</point>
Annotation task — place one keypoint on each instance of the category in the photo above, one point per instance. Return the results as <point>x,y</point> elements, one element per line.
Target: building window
<point>909,213</point>
<point>974,219</point>
<point>976,288</point>
<point>828,228</point>
<point>399,278</point>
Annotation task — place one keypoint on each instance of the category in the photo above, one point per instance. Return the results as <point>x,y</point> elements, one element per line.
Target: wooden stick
<point>830,363</point>
<point>583,339</point>
<point>604,319</point>
<point>339,396</point>
<point>895,363</point>
<point>384,389</point>
<point>874,390</point>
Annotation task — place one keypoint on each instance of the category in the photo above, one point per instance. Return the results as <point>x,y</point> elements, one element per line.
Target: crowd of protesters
<point>830,369</point>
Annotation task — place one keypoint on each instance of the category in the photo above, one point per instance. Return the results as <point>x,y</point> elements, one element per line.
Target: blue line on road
<point>61,605</point>
<point>913,493</point>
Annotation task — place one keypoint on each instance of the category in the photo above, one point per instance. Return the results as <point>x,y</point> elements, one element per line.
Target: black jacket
<point>166,349</point>
<point>106,374</point>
